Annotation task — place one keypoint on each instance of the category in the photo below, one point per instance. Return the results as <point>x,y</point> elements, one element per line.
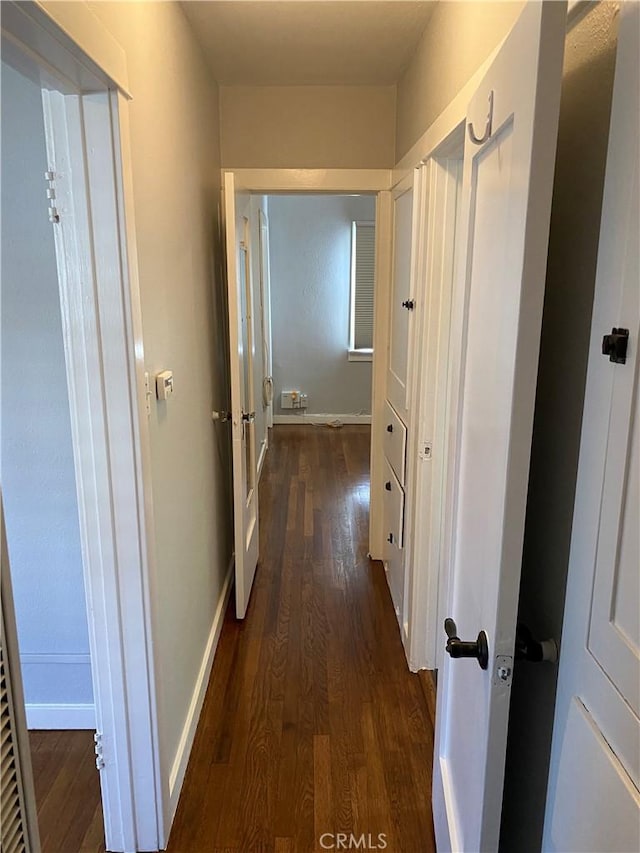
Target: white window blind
<point>363,256</point>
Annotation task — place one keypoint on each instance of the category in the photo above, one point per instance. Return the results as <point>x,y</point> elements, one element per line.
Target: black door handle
<point>389,427</point>
<point>390,538</point>
<point>408,304</point>
<point>458,648</point>
<point>387,485</point>
<point>615,345</point>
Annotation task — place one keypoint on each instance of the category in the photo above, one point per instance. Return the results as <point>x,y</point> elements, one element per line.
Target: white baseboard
<point>60,716</point>
<point>179,766</point>
<point>320,419</point>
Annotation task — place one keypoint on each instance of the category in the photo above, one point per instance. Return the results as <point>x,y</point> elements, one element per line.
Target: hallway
<point>312,722</point>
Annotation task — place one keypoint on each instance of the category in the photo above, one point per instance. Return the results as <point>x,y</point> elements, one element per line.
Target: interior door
<point>401,302</point>
<point>241,356</point>
<point>593,800</point>
<point>512,123</point>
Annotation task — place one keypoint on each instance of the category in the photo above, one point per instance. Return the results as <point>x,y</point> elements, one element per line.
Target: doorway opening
<point>313,278</point>
<point>74,454</point>
<point>40,493</point>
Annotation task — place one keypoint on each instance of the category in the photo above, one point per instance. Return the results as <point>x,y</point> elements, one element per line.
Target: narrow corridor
<point>312,724</point>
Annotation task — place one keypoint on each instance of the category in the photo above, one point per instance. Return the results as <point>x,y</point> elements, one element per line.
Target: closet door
<point>18,827</point>
<point>402,299</point>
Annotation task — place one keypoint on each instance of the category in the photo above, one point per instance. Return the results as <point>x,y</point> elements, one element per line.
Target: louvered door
<point>13,831</point>
<point>18,827</point>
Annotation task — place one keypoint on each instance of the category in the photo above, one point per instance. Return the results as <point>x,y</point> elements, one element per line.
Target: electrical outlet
<point>293,400</point>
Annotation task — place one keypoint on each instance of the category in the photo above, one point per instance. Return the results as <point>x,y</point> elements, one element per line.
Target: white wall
<point>458,38</point>
<point>38,478</point>
<point>308,127</point>
<point>310,242</point>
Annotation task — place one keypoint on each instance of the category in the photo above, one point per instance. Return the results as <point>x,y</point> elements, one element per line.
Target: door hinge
<point>97,748</point>
<point>50,178</point>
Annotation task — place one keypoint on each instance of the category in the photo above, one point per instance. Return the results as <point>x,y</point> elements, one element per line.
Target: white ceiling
<point>308,42</point>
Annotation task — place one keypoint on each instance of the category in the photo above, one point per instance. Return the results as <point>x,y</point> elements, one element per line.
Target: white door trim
<point>102,330</point>
<point>266,181</point>
<point>427,465</point>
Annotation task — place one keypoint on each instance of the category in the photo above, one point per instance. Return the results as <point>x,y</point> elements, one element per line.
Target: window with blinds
<point>363,256</point>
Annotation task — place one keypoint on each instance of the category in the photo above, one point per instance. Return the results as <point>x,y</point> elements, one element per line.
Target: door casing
<point>86,119</point>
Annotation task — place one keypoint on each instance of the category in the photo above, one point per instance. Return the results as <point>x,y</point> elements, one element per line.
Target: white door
<point>402,301</point>
<point>241,355</point>
<point>593,801</point>
<point>506,200</point>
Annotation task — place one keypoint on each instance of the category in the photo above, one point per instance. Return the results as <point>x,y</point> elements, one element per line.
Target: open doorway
<point>322,272</point>
<point>40,492</point>
<point>321,298</point>
<point>75,478</point>
<point>322,259</point>
<point>313,275</point>
<point>314,325</point>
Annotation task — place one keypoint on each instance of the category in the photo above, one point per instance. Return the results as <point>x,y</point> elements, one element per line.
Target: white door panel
<point>614,633</point>
<point>506,200</point>
<point>593,801</point>
<point>401,285</point>
<point>583,820</point>
<point>241,356</point>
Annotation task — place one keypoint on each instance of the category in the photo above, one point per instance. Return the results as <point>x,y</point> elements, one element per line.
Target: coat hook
<point>487,131</point>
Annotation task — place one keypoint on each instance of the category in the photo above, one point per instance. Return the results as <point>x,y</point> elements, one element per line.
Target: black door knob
<point>390,538</point>
<point>615,345</point>
<point>408,304</point>
<point>387,485</point>
<point>458,648</point>
<point>389,427</point>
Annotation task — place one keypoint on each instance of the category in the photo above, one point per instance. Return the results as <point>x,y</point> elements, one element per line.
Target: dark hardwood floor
<point>312,723</point>
<point>67,792</point>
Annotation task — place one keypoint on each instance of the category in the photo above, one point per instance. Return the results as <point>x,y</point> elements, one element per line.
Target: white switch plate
<point>164,384</point>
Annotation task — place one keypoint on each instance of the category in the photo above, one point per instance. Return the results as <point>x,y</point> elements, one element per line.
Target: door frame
<point>427,547</point>
<point>439,183</point>
<point>86,120</point>
<point>337,181</point>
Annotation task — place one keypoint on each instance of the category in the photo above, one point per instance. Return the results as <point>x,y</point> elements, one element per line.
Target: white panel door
<point>241,356</point>
<point>402,301</point>
<point>593,800</point>
<point>506,201</point>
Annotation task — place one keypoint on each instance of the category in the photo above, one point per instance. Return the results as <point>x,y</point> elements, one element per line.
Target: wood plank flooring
<point>67,792</point>
<point>312,722</point>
